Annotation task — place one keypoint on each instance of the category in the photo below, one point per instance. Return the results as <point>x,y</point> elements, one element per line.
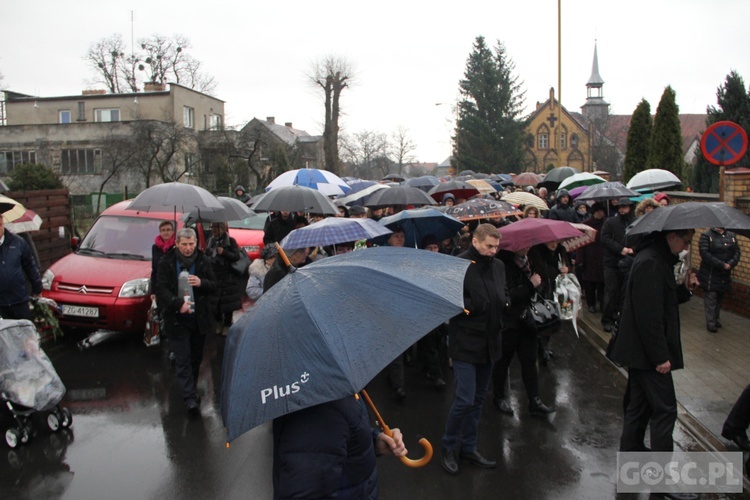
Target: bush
<point>33,178</point>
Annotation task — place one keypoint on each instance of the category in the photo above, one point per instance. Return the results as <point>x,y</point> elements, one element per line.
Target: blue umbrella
<point>333,230</point>
<point>418,223</point>
<point>326,329</point>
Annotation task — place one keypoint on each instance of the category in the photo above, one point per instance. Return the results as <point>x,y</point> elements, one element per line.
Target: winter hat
<point>597,206</point>
<point>625,201</point>
<point>357,210</point>
<point>429,240</point>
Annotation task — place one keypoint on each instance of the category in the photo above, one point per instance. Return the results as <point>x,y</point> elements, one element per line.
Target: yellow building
<point>557,137</point>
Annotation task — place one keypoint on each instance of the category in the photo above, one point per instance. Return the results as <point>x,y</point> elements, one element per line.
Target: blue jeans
<point>472,381</point>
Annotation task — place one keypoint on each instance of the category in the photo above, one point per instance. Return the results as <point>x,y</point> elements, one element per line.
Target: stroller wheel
<point>67,418</point>
<point>12,438</point>
<point>53,421</point>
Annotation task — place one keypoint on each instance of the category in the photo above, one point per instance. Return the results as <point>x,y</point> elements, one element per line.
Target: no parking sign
<point>724,143</point>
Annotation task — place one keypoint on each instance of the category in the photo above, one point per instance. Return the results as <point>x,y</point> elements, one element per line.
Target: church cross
<point>552,119</point>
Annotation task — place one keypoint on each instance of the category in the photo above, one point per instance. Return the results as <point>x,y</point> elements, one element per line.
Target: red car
<point>105,283</point>
<point>249,234</point>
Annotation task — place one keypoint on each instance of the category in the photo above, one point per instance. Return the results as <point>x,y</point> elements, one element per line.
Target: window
<point>216,122</point>
<point>10,159</point>
<point>107,115</point>
<point>190,163</point>
<point>80,161</point>
<point>563,141</point>
<point>81,111</point>
<point>574,141</point>
<point>64,116</point>
<point>543,138</point>
<point>188,115</point>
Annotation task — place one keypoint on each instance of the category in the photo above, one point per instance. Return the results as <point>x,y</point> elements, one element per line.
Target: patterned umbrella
<point>332,231</point>
<point>527,199</point>
<point>481,208</point>
<point>28,221</point>
<point>321,180</point>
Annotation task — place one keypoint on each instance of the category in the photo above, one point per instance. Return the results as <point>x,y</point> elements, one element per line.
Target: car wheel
<point>12,438</point>
<point>53,421</point>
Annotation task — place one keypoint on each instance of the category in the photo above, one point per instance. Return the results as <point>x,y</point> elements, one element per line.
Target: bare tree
<point>366,151</point>
<point>159,59</point>
<point>118,152</point>
<point>401,147</point>
<point>332,74</point>
<point>157,150</point>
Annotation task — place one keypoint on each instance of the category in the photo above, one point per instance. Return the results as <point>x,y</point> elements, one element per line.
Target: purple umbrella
<point>529,232</point>
<point>576,191</point>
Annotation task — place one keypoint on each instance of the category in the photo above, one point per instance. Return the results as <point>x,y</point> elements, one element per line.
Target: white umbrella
<point>582,179</point>
<point>321,180</point>
<point>653,179</point>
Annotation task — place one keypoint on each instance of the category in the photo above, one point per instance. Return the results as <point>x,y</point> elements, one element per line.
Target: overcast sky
<point>407,55</point>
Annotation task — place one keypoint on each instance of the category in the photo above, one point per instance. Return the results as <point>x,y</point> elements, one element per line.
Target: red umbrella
<point>526,179</point>
<point>529,232</point>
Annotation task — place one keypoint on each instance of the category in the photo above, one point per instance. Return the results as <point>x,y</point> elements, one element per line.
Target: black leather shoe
<point>740,439</point>
<point>439,384</point>
<point>503,406</point>
<point>712,329</point>
<point>607,327</point>
<point>474,458</point>
<point>537,408</point>
<point>449,461</point>
<point>399,394</point>
<point>193,408</point>
<point>718,324</point>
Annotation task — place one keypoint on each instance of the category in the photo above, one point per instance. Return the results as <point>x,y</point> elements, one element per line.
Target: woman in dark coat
<point>223,252</point>
<point>590,261</point>
<point>720,253</point>
<point>548,259</point>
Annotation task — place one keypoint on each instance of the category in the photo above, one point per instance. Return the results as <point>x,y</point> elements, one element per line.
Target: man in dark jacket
<point>720,253</point>
<point>278,226</point>
<point>562,209</point>
<point>613,240</point>
<point>241,194</point>
<point>16,266</point>
<point>648,341</point>
<point>474,345</point>
<point>186,323</point>
<point>328,451</point>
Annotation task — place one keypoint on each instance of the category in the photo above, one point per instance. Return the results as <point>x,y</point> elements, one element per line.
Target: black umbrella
<point>458,189</point>
<point>555,176</point>
<point>234,210</point>
<point>399,195</point>
<point>394,178</point>
<point>425,182</point>
<point>296,199</point>
<point>606,191</point>
<point>176,196</point>
<point>692,215</point>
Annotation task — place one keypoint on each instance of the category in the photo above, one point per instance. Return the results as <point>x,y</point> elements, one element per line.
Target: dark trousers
<point>187,345</point>
<point>17,311</point>
<point>712,307</point>
<point>611,305</point>
<point>594,291</point>
<point>649,400</point>
<point>472,381</point>
<point>396,372</point>
<point>523,343</point>
<point>428,354</point>
<point>739,418</point>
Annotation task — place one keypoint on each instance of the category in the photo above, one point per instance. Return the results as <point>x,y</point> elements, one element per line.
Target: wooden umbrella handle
<point>283,255</point>
<point>388,432</point>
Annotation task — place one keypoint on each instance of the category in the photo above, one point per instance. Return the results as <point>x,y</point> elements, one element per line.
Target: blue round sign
<point>724,143</point>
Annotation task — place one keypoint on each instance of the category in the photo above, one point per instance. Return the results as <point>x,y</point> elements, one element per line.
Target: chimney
<point>288,124</point>
<point>154,87</point>
<point>271,120</point>
<point>94,92</point>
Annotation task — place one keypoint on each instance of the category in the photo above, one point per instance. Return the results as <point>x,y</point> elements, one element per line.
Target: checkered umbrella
<point>333,230</point>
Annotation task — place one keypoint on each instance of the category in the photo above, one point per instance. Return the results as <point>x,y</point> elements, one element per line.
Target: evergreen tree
<point>733,101</point>
<point>639,140</point>
<point>665,151</point>
<point>489,134</point>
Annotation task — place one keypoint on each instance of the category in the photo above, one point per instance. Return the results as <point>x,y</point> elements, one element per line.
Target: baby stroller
<point>28,382</point>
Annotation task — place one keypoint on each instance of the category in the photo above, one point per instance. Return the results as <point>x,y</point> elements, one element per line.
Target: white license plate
<point>86,312</point>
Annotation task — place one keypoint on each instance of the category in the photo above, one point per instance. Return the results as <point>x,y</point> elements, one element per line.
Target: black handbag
<point>541,315</point>
<point>241,265</point>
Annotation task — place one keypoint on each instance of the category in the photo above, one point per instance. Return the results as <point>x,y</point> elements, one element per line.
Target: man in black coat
<point>186,323</point>
<point>474,345</point>
<point>613,240</point>
<point>648,341</point>
<point>720,253</point>
<point>563,209</point>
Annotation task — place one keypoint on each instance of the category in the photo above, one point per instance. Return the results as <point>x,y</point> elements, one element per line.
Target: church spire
<point>595,108</point>
<point>595,80</point>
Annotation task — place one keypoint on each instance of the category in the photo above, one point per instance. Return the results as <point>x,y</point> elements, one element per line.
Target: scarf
<point>186,262</point>
<point>523,264</point>
<point>164,245</point>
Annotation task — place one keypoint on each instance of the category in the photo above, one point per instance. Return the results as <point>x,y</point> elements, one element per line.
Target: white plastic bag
<point>568,294</point>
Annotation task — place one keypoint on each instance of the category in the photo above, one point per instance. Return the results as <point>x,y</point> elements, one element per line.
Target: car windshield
<point>121,237</point>
<point>253,222</point>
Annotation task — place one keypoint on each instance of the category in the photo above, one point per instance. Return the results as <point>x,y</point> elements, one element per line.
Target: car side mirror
<point>74,242</point>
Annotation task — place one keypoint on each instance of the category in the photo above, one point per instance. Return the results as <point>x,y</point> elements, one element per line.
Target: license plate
<point>86,312</point>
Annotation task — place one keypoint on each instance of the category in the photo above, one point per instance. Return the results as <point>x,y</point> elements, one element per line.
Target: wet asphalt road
<point>131,436</point>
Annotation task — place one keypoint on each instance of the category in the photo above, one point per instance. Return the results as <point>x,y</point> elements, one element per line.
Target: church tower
<point>596,109</point>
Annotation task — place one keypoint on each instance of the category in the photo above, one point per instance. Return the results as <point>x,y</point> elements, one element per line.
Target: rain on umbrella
<point>692,215</point>
<point>526,179</point>
<point>482,185</point>
<point>582,179</point>
<point>526,233</point>
<point>459,189</point>
<point>332,231</point>
<point>527,199</point>
<point>234,209</point>
<point>299,347</point>
<point>296,199</point>
<point>418,223</point>
<point>177,197</point>
<point>324,181</point>
<point>653,179</point>
<point>425,182</point>
<point>399,195</point>
<point>606,191</point>
<point>555,176</point>
<point>481,208</point>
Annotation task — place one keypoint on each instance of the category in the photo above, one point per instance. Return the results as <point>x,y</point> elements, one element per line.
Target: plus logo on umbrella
<point>284,390</point>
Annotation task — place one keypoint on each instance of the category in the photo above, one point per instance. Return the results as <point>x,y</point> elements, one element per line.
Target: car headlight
<point>135,288</point>
<point>47,278</point>
<point>250,248</point>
